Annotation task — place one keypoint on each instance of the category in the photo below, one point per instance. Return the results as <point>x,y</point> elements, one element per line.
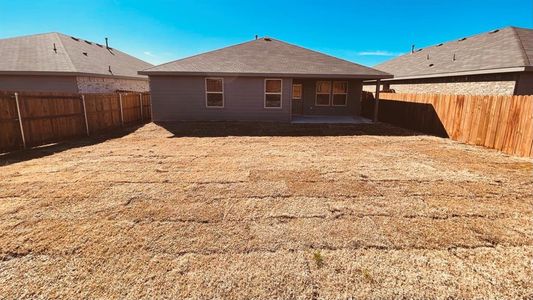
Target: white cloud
<point>148,53</point>
<point>378,53</point>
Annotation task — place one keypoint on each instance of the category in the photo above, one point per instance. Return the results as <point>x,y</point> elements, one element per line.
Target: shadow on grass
<point>45,150</point>
<point>215,129</point>
<point>222,129</point>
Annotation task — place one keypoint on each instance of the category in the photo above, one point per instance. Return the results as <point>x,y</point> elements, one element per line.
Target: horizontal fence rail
<point>504,123</point>
<point>33,119</point>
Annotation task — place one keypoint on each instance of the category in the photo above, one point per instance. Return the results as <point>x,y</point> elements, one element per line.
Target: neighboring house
<point>261,80</point>
<point>497,62</point>
<point>54,62</point>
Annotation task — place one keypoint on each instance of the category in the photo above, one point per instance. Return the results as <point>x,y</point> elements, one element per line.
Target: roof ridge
<point>331,56</point>
<point>516,27</point>
<point>67,54</point>
<point>454,40</point>
<point>28,35</point>
<point>113,51</point>
<point>202,53</point>
<point>521,45</point>
<point>276,41</point>
<point>464,37</point>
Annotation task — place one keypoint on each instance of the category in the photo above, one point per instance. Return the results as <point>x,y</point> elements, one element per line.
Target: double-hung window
<point>331,93</point>
<point>214,92</point>
<point>273,93</point>
<point>323,93</point>
<point>340,93</point>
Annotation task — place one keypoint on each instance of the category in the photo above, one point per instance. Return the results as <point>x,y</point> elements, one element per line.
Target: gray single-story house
<point>55,62</point>
<point>261,80</point>
<point>496,62</point>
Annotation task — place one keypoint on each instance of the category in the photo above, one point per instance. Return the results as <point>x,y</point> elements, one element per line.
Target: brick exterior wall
<point>492,84</point>
<point>110,85</point>
<point>462,88</point>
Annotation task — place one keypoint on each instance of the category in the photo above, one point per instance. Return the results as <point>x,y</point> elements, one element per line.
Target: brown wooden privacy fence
<point>504,123</point>
<point>33,119</point>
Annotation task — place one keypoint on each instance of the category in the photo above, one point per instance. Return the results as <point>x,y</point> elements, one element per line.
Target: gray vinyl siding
<point>182,98</point>
<point>31,83</point>
<point>353,106</point>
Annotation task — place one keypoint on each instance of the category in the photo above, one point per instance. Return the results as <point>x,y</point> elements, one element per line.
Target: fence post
<point>151,108</point>
<point>376,102</point>
<point>20,120</point>
<point>121,111</point>
<point>141,102</point>
<point>85,114</point>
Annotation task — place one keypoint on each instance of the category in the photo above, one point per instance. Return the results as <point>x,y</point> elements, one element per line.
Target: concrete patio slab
<point>322,119</point>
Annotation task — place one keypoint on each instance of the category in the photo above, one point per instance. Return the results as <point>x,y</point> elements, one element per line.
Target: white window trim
<point>301,89</point>
<point>328,93</point>
<point>206,92</point>
<point>333,94</point>
<point>280,94</point>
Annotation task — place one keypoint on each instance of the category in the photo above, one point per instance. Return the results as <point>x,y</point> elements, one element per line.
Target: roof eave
<point>464,73</point>
<point>64,73</point>
<point>293,75</point>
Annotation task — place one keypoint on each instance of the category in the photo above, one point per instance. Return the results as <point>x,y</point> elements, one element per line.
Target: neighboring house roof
<point>505,50</point>
<point>266,57</point>
<point>35,55</point>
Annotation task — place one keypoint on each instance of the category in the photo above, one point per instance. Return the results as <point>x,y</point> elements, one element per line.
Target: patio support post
<point>376,102</point>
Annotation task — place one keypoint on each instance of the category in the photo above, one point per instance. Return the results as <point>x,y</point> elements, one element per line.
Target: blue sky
<point>366,32</point>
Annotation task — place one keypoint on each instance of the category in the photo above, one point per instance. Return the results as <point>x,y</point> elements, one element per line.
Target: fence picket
<point>33,119</point>
<point>527,138</point>
<point>500,122</point>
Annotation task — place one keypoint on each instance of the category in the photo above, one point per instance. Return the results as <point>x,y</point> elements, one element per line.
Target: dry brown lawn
<point>344,212</point>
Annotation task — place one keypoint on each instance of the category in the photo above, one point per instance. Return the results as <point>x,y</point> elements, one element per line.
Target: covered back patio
<point>327,100</point>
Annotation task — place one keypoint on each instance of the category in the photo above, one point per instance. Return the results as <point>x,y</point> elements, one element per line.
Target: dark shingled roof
<point>266,57</point>
<point>34,54</point>
<point>506,48</point>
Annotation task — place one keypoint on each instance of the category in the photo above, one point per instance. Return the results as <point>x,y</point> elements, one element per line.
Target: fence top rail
<point>382,94</point>
<point>29,96</point>
<point>61,94</point>
<point>100,94</point>
<point>40,94</point>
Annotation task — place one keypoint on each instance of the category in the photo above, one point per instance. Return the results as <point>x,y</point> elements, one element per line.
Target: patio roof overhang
<point>462,73</point>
